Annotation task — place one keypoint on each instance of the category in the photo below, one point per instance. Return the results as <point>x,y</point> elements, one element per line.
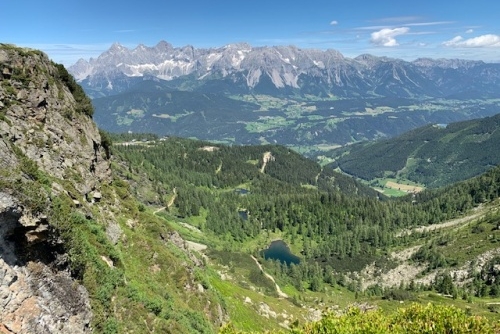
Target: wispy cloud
<point>386,37</point>
<point>68,54</point>
<point>398,19</point>
<point>372,27</point>
<point>424,24</point>
<point>124,31</point>
<point>469,31</point>
<point>414,24</point>
<point>334,23</point>
<point>483,41</point>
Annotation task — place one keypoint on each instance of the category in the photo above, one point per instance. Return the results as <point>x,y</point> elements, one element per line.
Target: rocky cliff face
<point>44,137</point>
<point>41,119</point>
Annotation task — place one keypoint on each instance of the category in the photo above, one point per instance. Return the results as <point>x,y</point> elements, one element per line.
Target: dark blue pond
<point>243,214</point>
<point>242,191</point>
<point>278,250</point>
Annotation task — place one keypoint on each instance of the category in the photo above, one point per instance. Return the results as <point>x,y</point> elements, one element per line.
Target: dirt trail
<point>190,227</point>
<point>219,168</point>
<point>159,209</point>
<point>319,174</point>
<point>450,223</point>
<point>172,200</point>
<point>169,204</point>
<point>280,293</point>
<point>195,246</point>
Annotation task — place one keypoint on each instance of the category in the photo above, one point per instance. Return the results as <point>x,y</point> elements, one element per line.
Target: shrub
<point>84,103</point>
<point>412,320</point>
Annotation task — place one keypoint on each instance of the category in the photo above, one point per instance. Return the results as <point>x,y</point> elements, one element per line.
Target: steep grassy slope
<point>434,155</point>
<point>415,319</point>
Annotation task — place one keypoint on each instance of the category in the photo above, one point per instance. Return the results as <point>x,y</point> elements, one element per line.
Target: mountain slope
<point>236,200</point>
<point>46,138</point>
<point>434,155</point>
<point>154,106</point>
<point>149,107</point>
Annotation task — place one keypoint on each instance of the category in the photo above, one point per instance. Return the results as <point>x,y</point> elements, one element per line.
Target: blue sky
<point>69,30</point>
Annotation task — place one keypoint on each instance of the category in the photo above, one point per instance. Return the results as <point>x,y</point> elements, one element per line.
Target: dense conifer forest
<point>340,224</point>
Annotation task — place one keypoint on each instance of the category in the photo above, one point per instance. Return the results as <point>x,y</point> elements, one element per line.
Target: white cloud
<point>386,37</point>
<point>484,41</point>
<point>454,41</point>
<point>334,23</point>
<point>469,31</point>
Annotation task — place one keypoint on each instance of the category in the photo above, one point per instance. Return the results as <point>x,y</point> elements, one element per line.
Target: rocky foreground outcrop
<point>35,297</point>
<point>44,136</point>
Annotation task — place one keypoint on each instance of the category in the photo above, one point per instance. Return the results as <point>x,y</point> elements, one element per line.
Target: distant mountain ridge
<point>241,68</point>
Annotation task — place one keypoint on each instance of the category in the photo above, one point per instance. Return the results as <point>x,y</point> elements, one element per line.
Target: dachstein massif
<point>307,99</point>
<point>138,233</point>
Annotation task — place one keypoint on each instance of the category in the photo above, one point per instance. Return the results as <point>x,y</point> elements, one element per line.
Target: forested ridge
<point>434,155</point>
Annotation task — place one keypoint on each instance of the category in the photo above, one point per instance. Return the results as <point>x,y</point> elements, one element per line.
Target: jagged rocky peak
<point>117,48</point>
<point>367,59</point>
<point>163,46</point>
<point>242,46</point>
<point>49,146</point>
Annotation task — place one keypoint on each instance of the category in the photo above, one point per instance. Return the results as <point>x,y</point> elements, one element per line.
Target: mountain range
<point>285,70</point>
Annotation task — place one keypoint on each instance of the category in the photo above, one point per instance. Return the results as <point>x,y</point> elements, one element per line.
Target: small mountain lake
<point>278,250</point>
<point>242,191</point>
<point>243,214</point>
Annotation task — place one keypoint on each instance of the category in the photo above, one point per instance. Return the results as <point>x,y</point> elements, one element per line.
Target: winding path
<point>280,293</point>
<point>159,209</point>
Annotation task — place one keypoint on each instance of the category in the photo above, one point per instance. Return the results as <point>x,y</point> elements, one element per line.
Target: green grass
<point>243,316</point>
<point>380,184</point>
<point>268,123</point>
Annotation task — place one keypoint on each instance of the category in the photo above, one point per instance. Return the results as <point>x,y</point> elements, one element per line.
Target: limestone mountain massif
<point>302,98</point>
<point>283,70</point>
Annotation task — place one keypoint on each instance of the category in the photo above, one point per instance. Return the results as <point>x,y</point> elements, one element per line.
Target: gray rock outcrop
<point>35,298</point>
<point>42,132</point>
<point>43,123</point>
